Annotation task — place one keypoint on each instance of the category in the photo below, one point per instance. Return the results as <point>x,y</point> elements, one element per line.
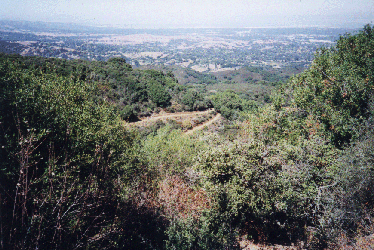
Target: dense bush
<point>349,202</point>
<point>230,104</point>
<point>194,100</point>
<point>158,94</point>
<point>65,165</point>
<point>337,87</point>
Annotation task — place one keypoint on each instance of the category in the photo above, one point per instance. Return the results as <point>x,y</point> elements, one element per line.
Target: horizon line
<point>130,26</point>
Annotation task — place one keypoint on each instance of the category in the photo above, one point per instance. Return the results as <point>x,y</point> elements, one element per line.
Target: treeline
<point>135,93</point>
<point>299,171</point>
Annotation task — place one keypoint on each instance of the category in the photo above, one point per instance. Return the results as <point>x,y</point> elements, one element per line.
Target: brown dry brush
<point>179,200</point>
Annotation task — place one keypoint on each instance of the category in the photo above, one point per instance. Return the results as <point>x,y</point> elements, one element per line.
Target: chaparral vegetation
<point>292,168</point>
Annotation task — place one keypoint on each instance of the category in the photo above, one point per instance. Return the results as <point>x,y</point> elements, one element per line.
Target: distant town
<point>202,50</point>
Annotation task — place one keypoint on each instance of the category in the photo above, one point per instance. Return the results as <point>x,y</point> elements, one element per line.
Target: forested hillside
<point>298,171</point>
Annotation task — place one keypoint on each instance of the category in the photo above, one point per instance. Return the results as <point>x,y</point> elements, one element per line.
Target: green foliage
<point>128,113</point>
<point>65,162</point>
<point>120,63</point>
<point>348,202</point>
<point>200,78</point>
<point>288,152</point>
<point>194,100</point>
<point>238,171</point>
<point>337,87</point>
<point>158,94</point>
<point>140,91</point>
<point>211,231</point>
<point>170,152</point>
<point>230,104</point>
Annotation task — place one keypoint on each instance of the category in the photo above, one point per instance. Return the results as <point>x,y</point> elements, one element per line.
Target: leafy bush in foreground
<point>65,163</point>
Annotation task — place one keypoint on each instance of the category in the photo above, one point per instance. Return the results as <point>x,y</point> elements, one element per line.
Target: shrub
<point>65,161</point>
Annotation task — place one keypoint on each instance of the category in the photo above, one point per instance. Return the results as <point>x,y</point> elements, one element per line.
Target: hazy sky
<point>193,13</point>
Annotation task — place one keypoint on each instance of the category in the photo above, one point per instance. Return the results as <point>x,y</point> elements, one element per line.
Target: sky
<point>193,13</point>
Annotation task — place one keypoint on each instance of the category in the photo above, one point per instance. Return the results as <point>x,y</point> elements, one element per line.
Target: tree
<point>158,94</point>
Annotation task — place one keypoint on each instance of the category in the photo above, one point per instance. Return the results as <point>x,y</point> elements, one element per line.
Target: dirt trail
<point>203,125</point>
<point>149,120</point>
<point>170,115</point>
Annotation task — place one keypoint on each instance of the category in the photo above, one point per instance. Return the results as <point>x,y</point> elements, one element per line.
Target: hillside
<point>188,121</point>
<point>81,169</point>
